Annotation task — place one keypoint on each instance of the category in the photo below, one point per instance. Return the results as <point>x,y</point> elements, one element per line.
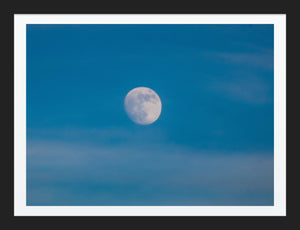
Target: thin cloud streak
<point>253,60</point>
<point>247,89</point>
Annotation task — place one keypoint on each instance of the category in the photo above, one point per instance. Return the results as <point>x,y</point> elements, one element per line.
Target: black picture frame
<point>32,7</point>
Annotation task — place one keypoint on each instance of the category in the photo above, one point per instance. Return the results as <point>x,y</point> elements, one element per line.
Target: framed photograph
<point>149,115</point>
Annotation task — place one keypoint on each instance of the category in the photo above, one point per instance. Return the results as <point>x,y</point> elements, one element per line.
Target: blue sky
<point>212,144</point>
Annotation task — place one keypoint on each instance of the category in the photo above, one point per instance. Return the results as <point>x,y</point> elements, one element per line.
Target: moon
<point>142,105</point>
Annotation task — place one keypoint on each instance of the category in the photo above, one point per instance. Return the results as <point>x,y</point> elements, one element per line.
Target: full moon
<point>142,105</point>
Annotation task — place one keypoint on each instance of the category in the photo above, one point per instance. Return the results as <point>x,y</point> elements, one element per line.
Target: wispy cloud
<point>243,79</point>
<point>252,57</point>
<point>251,90</point>
<point>69,174</point>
